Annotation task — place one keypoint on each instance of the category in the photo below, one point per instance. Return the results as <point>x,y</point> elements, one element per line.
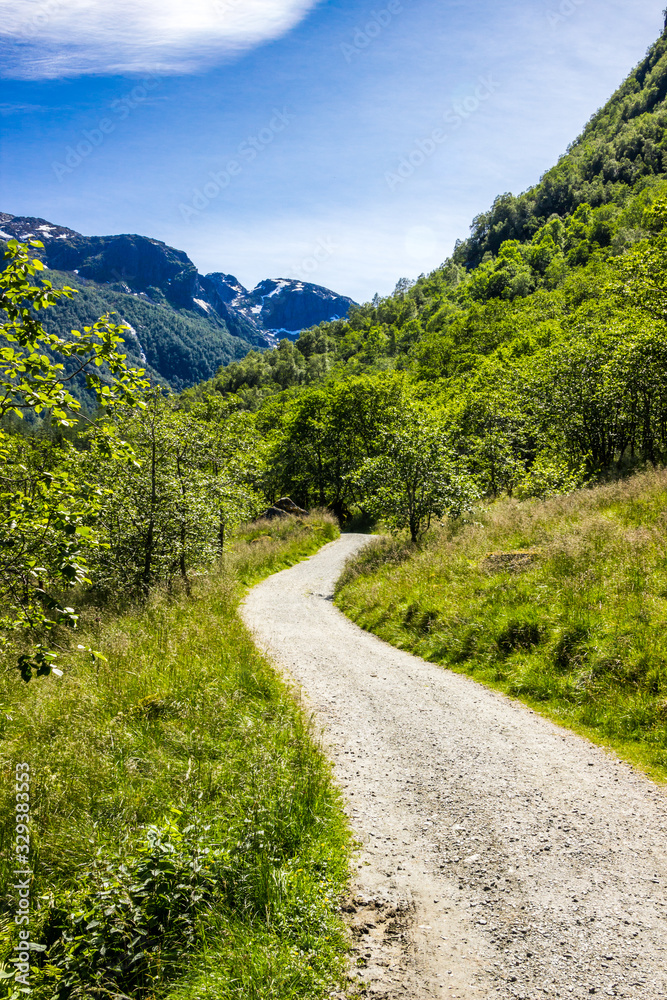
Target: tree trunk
<point>150,534</point>
<point>181,558</point>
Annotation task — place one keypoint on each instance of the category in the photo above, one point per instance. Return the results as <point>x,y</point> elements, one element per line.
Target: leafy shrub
<point>550,476</point>
<point>142,914</point>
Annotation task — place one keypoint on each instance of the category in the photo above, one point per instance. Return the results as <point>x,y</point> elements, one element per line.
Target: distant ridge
<point>231,319</point>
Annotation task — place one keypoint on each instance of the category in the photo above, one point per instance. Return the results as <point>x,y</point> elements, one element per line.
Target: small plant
<point>133,918</point>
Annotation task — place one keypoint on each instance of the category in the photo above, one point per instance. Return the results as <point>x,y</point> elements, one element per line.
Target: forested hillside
<point>622,145</point>
<point>530,364</point>
<point>178,348</point>
<point>182,325</point>
<point>539,347</point>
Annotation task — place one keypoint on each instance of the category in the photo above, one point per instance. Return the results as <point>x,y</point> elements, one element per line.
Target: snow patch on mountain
<point>142,355</point>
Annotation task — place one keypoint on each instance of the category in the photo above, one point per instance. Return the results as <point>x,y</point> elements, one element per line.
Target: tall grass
<point>186,839</point>
<point>561,603</point>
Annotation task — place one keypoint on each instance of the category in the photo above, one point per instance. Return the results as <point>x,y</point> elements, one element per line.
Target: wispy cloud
<point>47,39</point>
<point>23,109</point>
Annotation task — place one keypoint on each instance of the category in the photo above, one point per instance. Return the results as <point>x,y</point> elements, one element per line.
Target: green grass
<point>269,546</point>
<point>187,840</point>
<point>561,603</point>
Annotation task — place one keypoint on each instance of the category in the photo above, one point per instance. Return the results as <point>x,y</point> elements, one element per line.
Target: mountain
<point>281,307</point>
<point>538,271</point>
<point>185,325</point>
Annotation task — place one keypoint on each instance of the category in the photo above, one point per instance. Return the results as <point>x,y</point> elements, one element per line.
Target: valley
<point>332,633</point>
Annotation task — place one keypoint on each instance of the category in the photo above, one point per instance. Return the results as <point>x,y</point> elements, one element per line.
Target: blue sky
<point>346,142</point>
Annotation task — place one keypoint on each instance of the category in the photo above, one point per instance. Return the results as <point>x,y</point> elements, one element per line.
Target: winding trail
<point>502,856</point>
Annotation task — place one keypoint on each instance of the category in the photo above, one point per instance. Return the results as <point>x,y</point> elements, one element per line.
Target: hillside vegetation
<point>186,838</point>
<point>505,417</point>
<point>623,146</point>
<point>541,344</point>
<point>177,348</point>
<point>561,603</point>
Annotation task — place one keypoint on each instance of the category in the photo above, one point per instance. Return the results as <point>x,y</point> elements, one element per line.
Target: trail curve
<point>503,857</point>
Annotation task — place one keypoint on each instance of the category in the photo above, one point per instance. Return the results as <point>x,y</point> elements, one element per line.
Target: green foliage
<point>46,540</point>
<point>549,476</point>
<point>414,478</point>
<point>168,510</point>
<point>185,830</point>
<point>642,267</point>
<point>46,505</point>
<point>562,374</point>
<point>30,379</point>
<point>319,438</point>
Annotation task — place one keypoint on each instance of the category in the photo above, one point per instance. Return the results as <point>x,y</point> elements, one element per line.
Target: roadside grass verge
<point>186,838</point>
<point>269,546</point>
<point>560,603</point>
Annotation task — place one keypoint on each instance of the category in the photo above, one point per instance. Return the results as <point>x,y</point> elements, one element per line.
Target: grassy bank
<point>186,838</point>
<point>561,603</point>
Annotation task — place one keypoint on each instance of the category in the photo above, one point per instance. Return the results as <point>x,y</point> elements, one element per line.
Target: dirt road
<point>503,856</point>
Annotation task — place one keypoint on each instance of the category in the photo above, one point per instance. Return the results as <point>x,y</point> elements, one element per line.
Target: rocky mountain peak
<point>144,266</point>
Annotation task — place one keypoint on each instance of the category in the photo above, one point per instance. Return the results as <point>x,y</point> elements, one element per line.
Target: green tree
<point>233,454</point>
<point>46,508</point>
<point>321,437</point>
<point>489,424</point>
<point>415,479</point>
<point>167,511</point>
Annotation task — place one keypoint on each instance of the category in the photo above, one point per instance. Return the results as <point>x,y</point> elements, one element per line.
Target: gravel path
<point>502,856</point>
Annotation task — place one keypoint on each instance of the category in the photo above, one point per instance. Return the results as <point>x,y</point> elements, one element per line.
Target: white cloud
<point>46,39</point>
